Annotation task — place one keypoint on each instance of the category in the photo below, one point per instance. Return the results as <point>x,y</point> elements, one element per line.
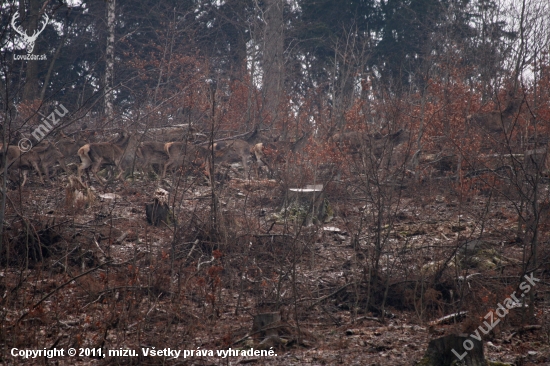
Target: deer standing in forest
<point>230,152</point>
<point>95,155</point>
<point>182,154</point>
<point>152,153</point>
<point>41,158</point>
<point>270,154</point>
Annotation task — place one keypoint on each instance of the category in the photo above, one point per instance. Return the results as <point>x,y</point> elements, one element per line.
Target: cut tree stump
<point>267,321</point>
<point>158,211</point>
<point>454,350</point>
<point>306,206</point>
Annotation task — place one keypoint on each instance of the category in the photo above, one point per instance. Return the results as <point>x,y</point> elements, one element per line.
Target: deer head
<point>28,40</point>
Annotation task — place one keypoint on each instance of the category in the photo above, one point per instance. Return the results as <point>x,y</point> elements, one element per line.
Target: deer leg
<point>38,171</point>
<point>46,171</point>
<point>120,173</point>
<point>245,167</point>
<point>63,166</point>
<point>166,166</point>
<point>84,166</point>
<point>24,177</point>
<point>95,168</point>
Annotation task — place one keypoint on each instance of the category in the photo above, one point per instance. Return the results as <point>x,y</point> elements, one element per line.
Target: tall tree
<point>273,59</point>
<point>332,41</point>
<point>33,11</point>
<point>110,58</point>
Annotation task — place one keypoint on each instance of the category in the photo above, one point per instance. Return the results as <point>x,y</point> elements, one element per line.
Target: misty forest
<point>275,182</point>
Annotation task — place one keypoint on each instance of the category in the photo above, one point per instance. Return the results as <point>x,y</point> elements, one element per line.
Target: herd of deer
<point>127,151</point>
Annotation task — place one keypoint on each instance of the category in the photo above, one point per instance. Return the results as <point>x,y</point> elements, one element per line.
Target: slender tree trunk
<point>52,63</point>
<point>4,160</point>
<point>273,61</point>
<point>110,58</point>
<point>31,88</point>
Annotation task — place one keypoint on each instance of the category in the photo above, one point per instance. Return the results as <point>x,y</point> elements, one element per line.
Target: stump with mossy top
<point>306,206</point>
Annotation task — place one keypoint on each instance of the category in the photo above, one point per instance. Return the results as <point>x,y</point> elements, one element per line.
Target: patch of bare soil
<point>365,288</point>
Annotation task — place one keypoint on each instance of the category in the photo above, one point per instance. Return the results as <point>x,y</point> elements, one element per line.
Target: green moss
<point>329,212</point>
<point>497,363</point>
<point>425,361</point>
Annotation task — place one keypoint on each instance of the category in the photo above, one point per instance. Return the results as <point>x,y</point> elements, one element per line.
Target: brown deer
<point>152,154</point>
<point>357,142</point>
<point>49,155</point>
<point>69,146</point>
<point>183,154</point>
<point>230,152</point>
<point>270,154</point>
<point>12,156</point>
<point>93,156</point>
<point>41,158</point>
<point>497,121</point>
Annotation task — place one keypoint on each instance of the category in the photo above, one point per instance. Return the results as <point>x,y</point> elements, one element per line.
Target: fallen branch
<point>447,319</point>
<point>330,295</point>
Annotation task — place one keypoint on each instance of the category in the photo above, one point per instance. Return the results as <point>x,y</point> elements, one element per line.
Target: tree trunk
<point>273,61</point>
<point>31,88</point>
<point>110,58</point>
<point>52,62</point>
<point>454,350</point>
<point>306,206</point>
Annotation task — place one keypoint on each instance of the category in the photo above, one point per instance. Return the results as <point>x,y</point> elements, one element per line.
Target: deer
<point>152,153</point>
<point>181,153</point>
<point>270,154</point>
<point>230,152</point>
<point>48,156</point>
<point>69,148</point>
<point>358,142</point>
<point>536,161</point>
<point>497,121</point>
<point>12,156</point>
<point>94,155</point>
<point>41,158</point>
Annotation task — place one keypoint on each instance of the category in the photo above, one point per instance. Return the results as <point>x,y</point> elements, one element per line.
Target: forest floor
<point>101,277</point>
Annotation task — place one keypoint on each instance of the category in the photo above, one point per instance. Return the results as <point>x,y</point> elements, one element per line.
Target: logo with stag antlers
<point>28,40</point>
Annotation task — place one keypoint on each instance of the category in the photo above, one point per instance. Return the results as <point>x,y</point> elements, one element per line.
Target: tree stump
<point>306,206</point>
<point>263,321</point>
<point>454,350</point>
<point>158,211</point>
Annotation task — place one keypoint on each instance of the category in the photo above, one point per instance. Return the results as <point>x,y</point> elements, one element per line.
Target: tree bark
<point>31,88</point>
<point>273,61</point>
<point>110,58</point>
<point>440,352</point>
